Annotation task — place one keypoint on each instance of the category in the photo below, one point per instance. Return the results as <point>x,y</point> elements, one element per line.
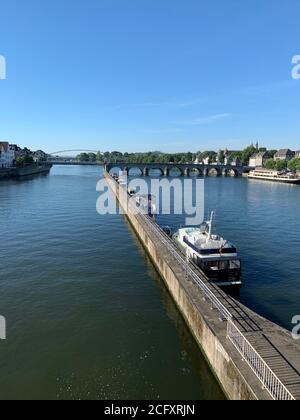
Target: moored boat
<point>274,176</point>
<point>214,255</point>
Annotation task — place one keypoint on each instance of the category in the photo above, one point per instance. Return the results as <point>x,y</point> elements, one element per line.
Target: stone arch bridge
<point>183,169</point>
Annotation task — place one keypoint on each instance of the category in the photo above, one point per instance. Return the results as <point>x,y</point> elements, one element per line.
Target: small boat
<point>274,176</point>
<point>214,255</point>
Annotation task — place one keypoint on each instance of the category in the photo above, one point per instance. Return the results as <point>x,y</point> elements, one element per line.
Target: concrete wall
<point>207,329</point>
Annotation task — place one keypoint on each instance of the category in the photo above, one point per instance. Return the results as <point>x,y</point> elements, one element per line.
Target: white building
<point>7,155</point>
<point>284,154</point>
<point>258,160</point>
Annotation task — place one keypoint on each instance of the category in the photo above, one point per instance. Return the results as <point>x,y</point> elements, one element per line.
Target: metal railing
<point>264,373</point>
<point>268,378</point>
<point>225,314</point>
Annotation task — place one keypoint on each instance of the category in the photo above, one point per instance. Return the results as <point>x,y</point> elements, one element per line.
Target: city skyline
<point>116,77</point>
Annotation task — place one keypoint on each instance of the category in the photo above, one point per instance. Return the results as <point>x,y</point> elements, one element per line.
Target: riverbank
<point>29,170</point>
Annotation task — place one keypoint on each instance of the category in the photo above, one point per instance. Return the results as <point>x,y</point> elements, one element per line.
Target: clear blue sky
<point>139,75</point>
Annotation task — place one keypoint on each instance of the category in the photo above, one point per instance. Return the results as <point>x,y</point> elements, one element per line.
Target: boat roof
<point>197,237</point>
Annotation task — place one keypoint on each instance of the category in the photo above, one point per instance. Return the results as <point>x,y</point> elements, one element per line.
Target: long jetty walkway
<point>253,358</point>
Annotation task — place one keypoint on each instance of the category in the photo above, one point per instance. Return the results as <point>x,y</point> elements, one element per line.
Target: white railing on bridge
<point>268,378</point>
<point>263,372</point>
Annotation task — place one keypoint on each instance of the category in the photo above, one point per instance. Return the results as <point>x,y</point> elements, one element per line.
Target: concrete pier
<point>253,358</point>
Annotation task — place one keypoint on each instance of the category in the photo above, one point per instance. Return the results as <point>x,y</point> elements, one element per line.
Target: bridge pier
<point>186,172</point>
<point>166,172</point>
<point>145,171</point>
<point>224,172</point>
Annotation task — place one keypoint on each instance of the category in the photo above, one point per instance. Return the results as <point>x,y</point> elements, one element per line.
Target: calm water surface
<point>88,316</point>
<point>262,220</point>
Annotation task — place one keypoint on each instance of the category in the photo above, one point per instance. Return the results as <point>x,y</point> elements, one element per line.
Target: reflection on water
<point>262,220</point>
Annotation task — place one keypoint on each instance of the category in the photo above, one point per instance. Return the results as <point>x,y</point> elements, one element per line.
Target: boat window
<point>234,264</point>
<point>203,228</point>
<point>223,265</point>
<point>216,265</point>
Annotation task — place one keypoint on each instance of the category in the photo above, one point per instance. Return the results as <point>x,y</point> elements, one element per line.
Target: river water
<point>87,315</point>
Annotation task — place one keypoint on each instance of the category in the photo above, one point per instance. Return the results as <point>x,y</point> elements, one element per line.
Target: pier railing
<point>268,378</point>
<point>263,372</point>
<point>224,313</point>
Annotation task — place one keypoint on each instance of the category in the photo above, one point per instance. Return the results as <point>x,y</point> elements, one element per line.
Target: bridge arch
<point>233,172</point>
<point>73,151</point>
<point>176,171</point>
<point>135,171</point>
<point>196,172</point>
<point>225,172</point>
<point>155,172</point>
<point>214,171</point>
<point>116,170</point>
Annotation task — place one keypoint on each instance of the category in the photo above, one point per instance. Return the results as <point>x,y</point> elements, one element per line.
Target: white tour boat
<point>274,176</point>
<point>215,256</point>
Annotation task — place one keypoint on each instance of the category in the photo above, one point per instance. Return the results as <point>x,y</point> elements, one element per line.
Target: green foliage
<point>221,156</point>
<point>141,158</point>
<point>294,164</point>
<point>176,158</point>
<point>272,153</point>
<point>24,160</point>
<point>90,157</point>
<point>279,165</point>
<point>270,164</point>
<point>247,153</point>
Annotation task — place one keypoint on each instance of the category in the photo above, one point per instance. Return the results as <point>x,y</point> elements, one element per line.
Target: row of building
<point>259,159</point>
<point>9,154</point>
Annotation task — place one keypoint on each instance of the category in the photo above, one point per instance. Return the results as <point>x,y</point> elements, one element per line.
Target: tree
<point>221,156</point>
<point>270,164</point>
<point>99,157</point>
<point>83,157</point>
<point>272,153</point>
<point>294,164</point>
<point>281,165</point>
<point>247,153</point>
<point>92,157</point>
<point>24,160</point>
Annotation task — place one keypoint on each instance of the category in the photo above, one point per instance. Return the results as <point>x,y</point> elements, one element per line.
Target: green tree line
<point>281,165</point>
<point>187,157</point>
